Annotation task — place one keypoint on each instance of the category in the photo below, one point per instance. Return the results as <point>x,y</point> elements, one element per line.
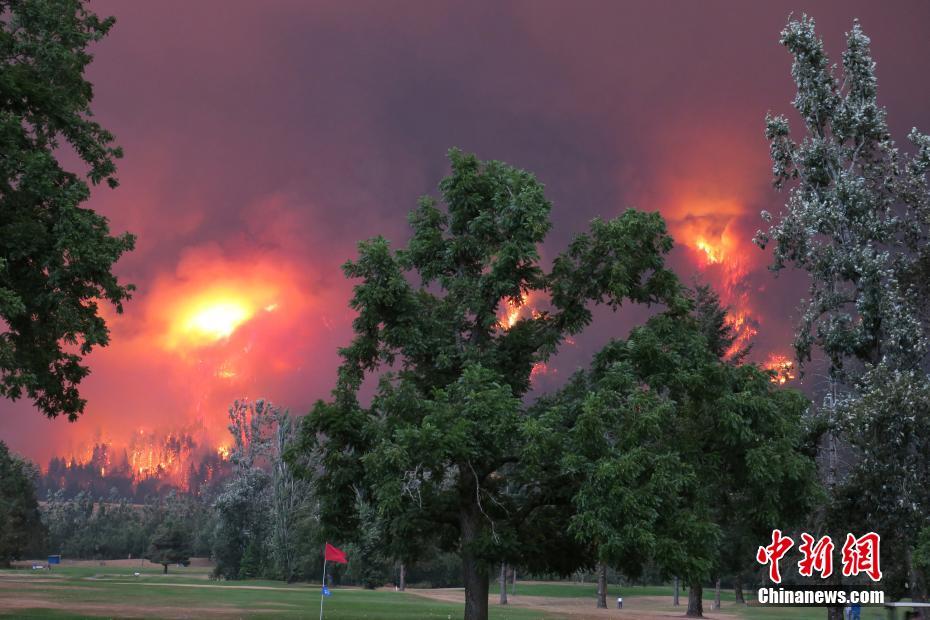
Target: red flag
<point>334,554</point>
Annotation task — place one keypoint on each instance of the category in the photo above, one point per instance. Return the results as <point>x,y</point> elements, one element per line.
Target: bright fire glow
<point>512,311</point>
<point>707,228</point>
<point>713,254</point>
<point>218,319</point>
<point>782,367</point>
<point>208,318</point>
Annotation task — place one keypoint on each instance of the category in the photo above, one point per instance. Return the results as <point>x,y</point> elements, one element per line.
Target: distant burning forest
<point>151,463</point>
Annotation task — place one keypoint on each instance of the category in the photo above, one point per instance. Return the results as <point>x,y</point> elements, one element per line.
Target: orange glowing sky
<point>263,140</point>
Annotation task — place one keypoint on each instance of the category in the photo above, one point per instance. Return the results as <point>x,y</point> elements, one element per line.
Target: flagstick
<point>323,589</point>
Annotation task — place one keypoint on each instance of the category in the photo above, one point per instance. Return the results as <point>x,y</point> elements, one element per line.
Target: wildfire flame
<point>211,317</point>
<point>512,311</point>
<point>707,228</point>
<point>169,458</point>
<point>218,319</point>
<point>712,254</point>
<point>782,367</point>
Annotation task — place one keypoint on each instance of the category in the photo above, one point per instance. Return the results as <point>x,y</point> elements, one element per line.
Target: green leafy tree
<point>171,544</point>
<point>56,257</point>
<point>368,566</point>
<point>21,527</point>
<point>627,478</point>
<point>439,451</point>
<point>856,220</point>
<point>672,449</point>
<point>241,511</point>
<point>922,551</point>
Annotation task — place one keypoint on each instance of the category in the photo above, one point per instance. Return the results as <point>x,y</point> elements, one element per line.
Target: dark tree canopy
<point>446,451</point>
<point>56,257</point>
<point>171,544</point>
<point>673,453</point>
<point>21,527</point>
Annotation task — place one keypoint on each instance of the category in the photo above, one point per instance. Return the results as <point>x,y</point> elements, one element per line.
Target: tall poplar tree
<point>857,220</point>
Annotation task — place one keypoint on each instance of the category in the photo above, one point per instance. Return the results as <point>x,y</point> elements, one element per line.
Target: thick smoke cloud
<point>264,139</point>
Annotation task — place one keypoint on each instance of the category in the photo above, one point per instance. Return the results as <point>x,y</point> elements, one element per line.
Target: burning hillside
<point>151,462</point>
<point>725,257</point>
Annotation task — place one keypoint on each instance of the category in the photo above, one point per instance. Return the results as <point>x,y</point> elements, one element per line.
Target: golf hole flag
<point>335,554</point>
<point>330,554</point>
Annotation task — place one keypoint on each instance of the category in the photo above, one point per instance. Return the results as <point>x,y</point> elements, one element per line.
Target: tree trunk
<point>837,611</point>
<point>675,597</point>
<point>503,583</point>
<point>601,585</point>
<point>695,601</point>
<point>474,570</point>
<point>166,568</point>
<point>717,594</point>
<point>514,581</point>
<point>402,579</point>
<point>917,586</point>
<point>738,588</point>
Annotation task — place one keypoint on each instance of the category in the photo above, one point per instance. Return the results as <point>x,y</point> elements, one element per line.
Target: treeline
<point>112,527</point>
<point>260,522</point>
<point>257,521</point>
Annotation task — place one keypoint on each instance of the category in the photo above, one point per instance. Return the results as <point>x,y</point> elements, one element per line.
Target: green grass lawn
<point>92,592</point>
<point>105,592</point>
<point>570,589</point>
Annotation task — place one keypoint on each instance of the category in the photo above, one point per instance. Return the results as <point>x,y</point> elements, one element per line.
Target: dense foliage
<point>56,256</point>
<point>857,220</point>
<point>90,527</point>
<point>21,528</point>
<point>440,450</point>
<point>673,451</point>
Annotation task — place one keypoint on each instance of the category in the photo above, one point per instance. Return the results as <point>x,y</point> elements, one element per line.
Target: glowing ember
<point>540,369</point>
<point>223,452</point>
<point>782,369</point>
<point>226,371</point>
